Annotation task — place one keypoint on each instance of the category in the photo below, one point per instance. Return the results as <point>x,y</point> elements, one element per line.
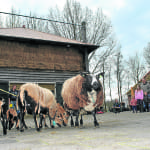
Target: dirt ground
<point>124,131</point>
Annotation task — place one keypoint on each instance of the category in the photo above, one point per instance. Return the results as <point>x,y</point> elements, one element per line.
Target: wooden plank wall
<point>34,56</point>
<point>11,75</point>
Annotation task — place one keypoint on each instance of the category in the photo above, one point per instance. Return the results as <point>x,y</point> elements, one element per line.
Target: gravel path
<point>124,131</point>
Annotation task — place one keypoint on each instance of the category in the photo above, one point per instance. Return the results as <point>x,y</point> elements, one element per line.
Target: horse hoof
<point>46,126</point>
<point>21,130</point>
<point>4,132</point>
<point>17,128</point>
<point>38,129</point>
<point>96,124</point>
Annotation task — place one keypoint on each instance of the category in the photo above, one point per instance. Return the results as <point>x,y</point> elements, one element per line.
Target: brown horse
<point>12,116</point>
<point>38,100</point>
<point>82,92</point>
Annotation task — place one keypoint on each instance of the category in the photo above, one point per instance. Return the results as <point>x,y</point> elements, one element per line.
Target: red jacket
<point>133,102</point>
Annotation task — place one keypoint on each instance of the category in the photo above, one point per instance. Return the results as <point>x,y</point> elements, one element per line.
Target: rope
<point>7,92</point>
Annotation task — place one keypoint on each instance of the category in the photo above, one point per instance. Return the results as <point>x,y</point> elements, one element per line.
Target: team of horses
<point>81,93</point>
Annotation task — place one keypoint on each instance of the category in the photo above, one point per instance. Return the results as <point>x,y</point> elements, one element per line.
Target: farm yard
<point>73,51</point>
<point>124,131</point>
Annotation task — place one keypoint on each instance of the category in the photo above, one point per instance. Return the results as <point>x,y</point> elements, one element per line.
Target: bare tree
<point>135,67</point>
<point>109,82</point>
<point>98,26</point>
<point>147,53</point>
<point>103,55</point>
<point>13,21</point>
<point>118,62</point>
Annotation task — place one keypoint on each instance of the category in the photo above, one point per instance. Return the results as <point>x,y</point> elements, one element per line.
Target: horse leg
<point>3,121</point>
<point>9,125</point>
<point>35,120</point>
<point>77,122</point>
<point>21,121</point>
<point>17,123</point>
<point>6,124</point>
<point>51,122</point>
<point>81,121</point>
<point>71,122</point>
<point>41,118</point>
<point>44,117</point>
<point>95,120</point>
<point>12,122</point>
<point>24,124</point>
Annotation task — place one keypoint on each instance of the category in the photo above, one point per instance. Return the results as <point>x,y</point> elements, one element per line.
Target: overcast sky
<point>130,18</point>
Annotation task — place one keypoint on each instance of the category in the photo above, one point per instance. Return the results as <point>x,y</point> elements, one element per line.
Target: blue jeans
<point>13,104</point>
<point>134,108</point>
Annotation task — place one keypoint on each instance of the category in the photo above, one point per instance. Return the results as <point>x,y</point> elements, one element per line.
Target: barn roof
<point>25,34</point>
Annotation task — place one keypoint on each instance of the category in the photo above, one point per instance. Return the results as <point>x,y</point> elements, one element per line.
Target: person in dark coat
<point>13,96</point>
<point>116,106</point>
<point>145,86</point>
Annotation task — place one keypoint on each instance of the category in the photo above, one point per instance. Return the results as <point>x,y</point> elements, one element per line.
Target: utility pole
<point>110,83</point>
<point>104,83</point>
<point>83,37</point>
<point>118,75</point>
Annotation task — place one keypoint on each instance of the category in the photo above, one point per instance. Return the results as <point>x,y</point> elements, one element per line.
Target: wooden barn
<point>31,56</point>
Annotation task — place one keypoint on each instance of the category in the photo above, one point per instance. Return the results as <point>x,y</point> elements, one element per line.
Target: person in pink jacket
<point>139,97</point>
<point>133,103</point>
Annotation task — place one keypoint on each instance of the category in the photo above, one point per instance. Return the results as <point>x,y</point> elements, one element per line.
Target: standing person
<point>133,103</point>
<point>116,106</point>
<point>148,99</point>
<point>145,86</point>
<point>13,98</point>
<point>139,97</point>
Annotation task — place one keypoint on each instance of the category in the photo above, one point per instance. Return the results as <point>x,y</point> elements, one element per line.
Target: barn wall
<point>17,75</point>
<point>34,56</point>
<point>47,79</point>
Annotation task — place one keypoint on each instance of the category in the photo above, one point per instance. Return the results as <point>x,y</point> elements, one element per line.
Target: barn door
<point>58,93</point>
<point>4,86</point>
